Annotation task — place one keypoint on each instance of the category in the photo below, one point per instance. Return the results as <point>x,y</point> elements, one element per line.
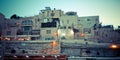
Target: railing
<point>93,58</point>
<point>84,45</point>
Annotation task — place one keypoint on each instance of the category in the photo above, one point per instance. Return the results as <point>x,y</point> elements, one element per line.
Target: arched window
<point>27,22</point>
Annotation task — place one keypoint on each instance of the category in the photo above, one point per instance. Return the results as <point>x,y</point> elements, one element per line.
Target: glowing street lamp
<point>63,34</point>
<point>71,32</point>
<point>114,46</point>
<point>21,39</point>
<point>27,56</point>
<point>54,43</point>
<point>7,38</point>
<point>82,34</point>
<point>15,56</point>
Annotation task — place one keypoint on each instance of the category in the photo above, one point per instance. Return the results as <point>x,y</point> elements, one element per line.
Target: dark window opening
<point>27,28</point>
<point>63,37</point>
<point>49,24</point>
<point>96,33</point>
<point>8,32</point>
<point>13,51</point>
<point>88,19</point>
<point>35,32</point>
<point>88,51</point>
<point>69,27</point>
<point>19,32</point>
<point>48,31</point>
<point>78,20</point>
<point>27,22</point>
<point>64,27</point>
<point>106,35</point>
<point>52,14</point>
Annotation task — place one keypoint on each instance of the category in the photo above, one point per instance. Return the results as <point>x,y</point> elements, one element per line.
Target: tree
<point>14,16</point>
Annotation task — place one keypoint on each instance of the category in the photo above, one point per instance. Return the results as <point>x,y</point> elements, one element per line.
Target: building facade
<point>53,32</point>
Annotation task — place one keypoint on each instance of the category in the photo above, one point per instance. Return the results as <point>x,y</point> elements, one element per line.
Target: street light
<point>54,43</point>
<point>27,56</point>
<point>114,46</point>
<point>7,38</point>
<point>15,56</point>
<point>63,34</point>
<point>43,56</point>
<point>21,39</point>
<point>82,34</point>
<point>71,32</point>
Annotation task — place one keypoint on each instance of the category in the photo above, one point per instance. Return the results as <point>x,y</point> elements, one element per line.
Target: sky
<point>107,10</point>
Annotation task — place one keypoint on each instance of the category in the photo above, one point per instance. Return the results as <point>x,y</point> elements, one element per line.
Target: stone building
<point>53,32</point>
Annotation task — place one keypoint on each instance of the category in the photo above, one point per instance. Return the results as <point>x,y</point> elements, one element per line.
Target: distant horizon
<point>107,10</point>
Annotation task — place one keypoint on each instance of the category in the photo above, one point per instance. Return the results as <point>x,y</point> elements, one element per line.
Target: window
<point>35,32</point>
<point>38,20</point>
<point>49,24</point>
<point>69,27</point>
<point>19,32</point>
<point>78,20</point>
<point>48,31</point>
<point>97,19</point>
<point>88,19</point>
<point>52,14</point>
<point>27,22</point>
<point>64,27</point>
<point>61,27</point>
<point>96,33</point>
<point>106,35</point>
<point>27,28</point>
<point>8,32</point>
<point>49,38</point>
<point>27,25</point>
